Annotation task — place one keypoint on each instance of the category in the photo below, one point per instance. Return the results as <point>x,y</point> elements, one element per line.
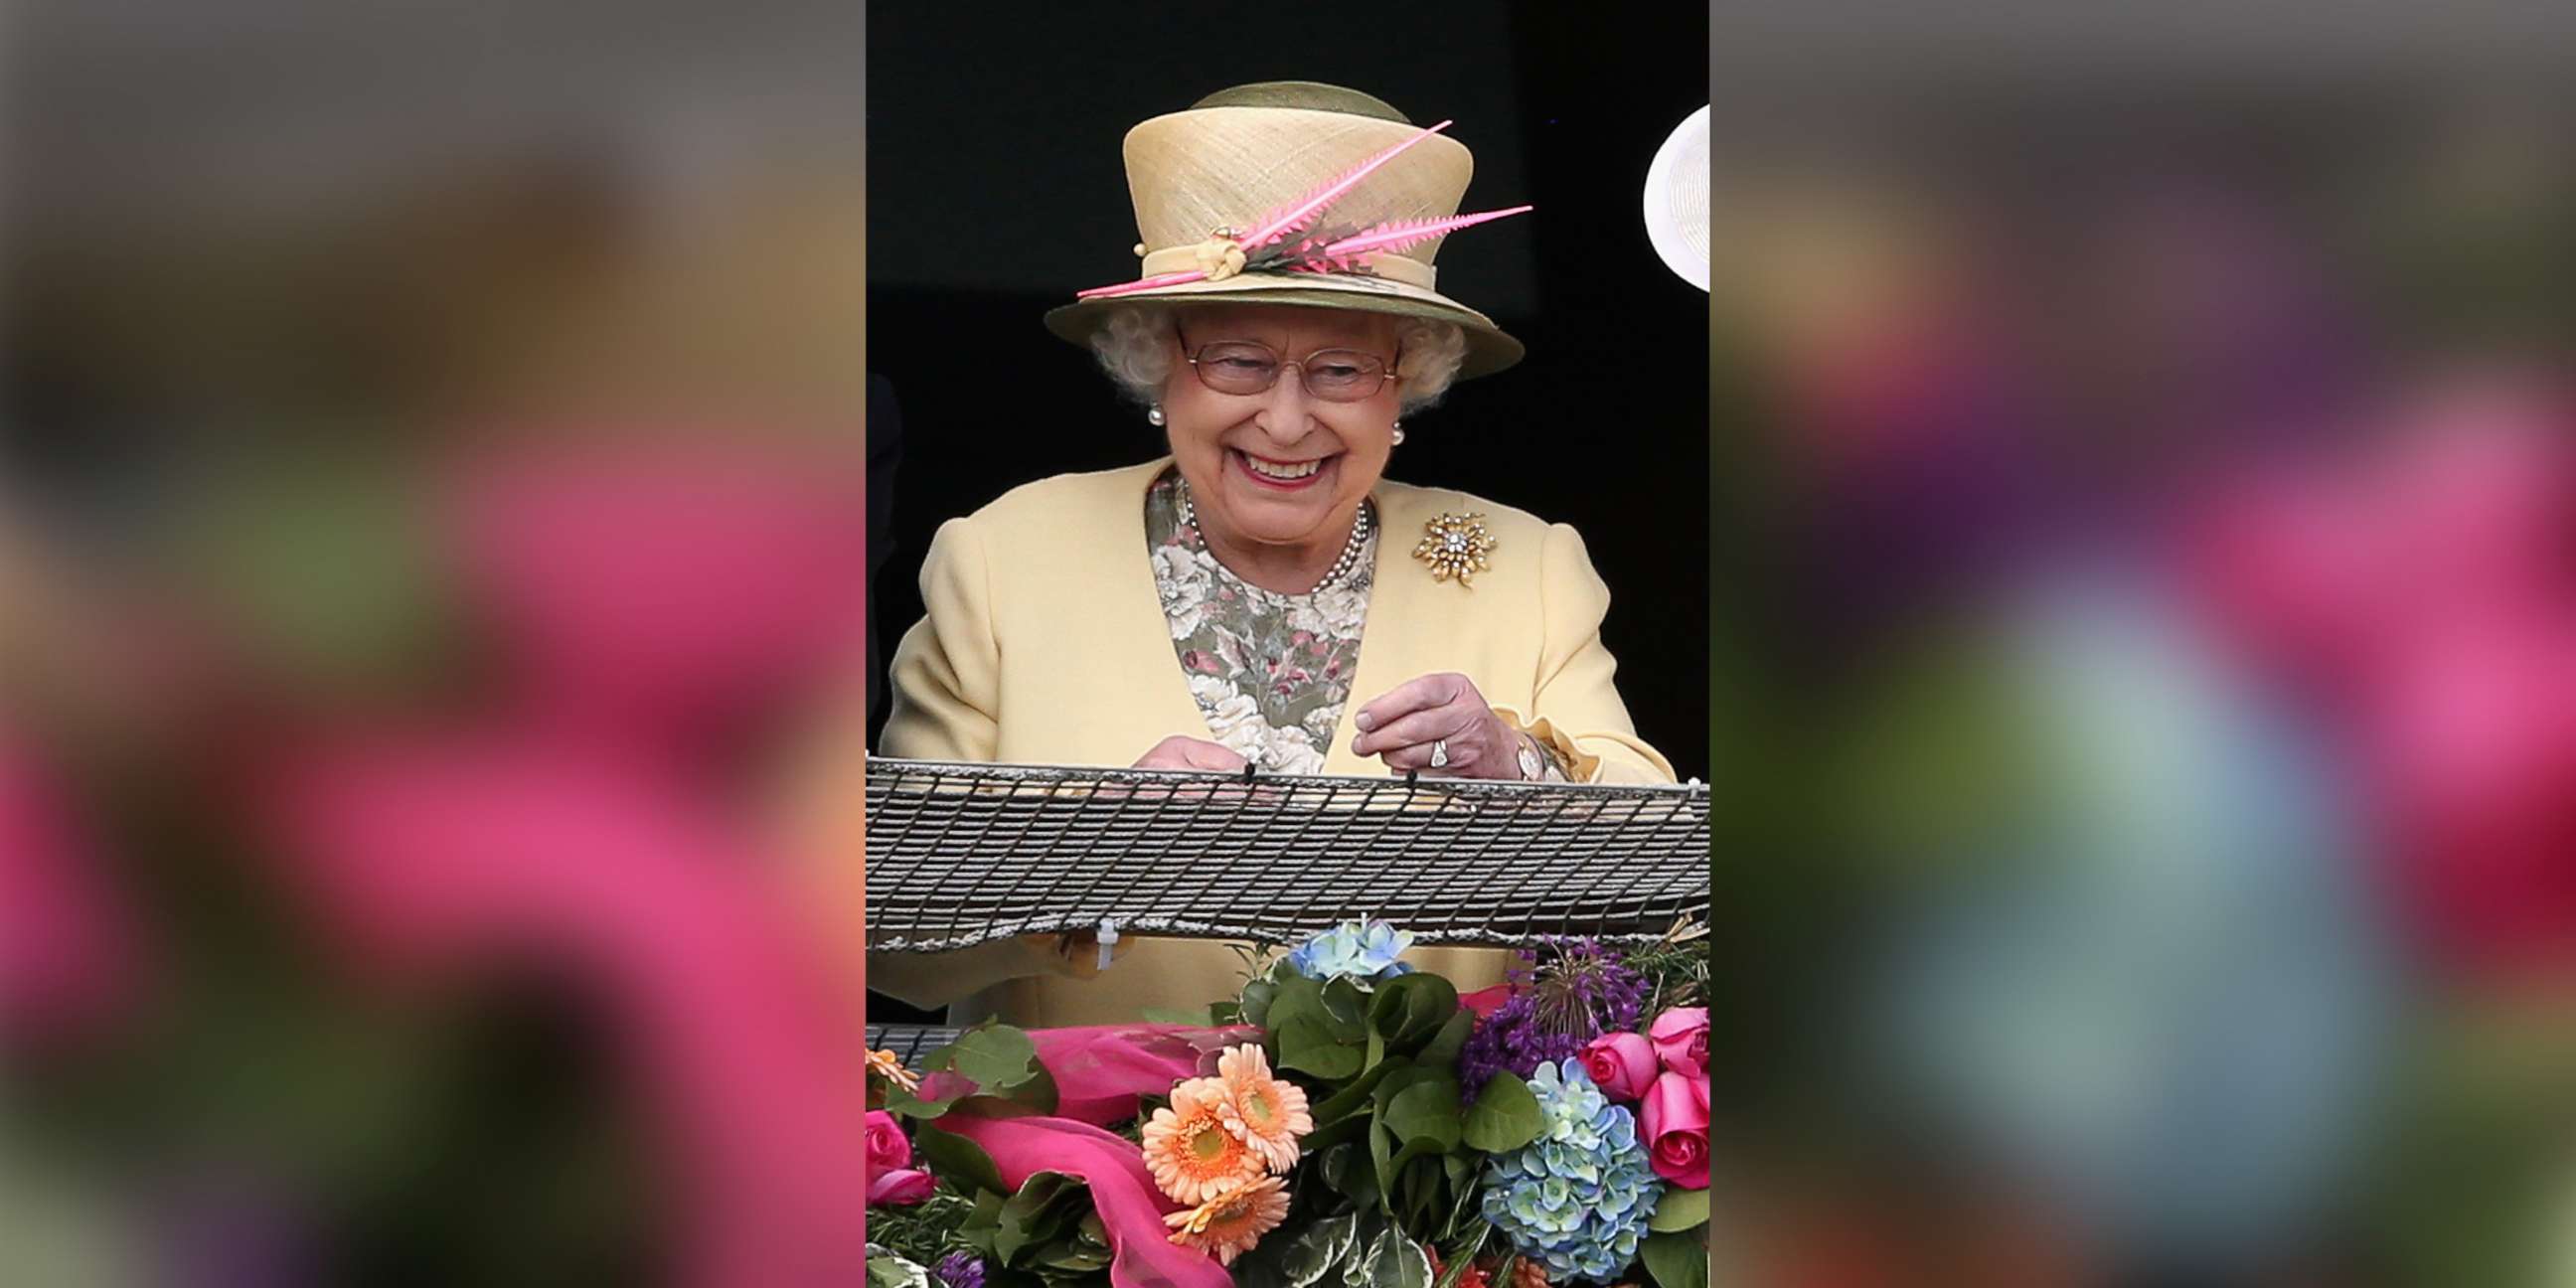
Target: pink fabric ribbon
<point>1100,1070</point>
<point>1122,1191</point>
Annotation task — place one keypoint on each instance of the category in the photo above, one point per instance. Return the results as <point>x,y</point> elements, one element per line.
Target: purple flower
<point>958,1270</point>
<point>1579,994</point>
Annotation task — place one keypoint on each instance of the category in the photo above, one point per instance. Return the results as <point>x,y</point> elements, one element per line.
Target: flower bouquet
<point>1344,1121</point>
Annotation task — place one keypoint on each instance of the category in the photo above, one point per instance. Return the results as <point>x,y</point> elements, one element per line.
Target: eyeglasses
<point>1249,367</point>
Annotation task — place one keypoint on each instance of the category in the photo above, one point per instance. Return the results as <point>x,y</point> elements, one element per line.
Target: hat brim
<point>1488,349</point>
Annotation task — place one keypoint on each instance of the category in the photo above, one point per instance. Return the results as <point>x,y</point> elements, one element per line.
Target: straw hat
<point>1204,177</point>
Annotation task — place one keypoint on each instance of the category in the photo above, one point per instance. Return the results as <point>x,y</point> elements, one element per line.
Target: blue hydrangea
<point>1361,950</point>
<point>1576,1199</point>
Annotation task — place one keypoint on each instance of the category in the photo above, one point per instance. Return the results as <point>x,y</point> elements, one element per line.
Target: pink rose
<point>1674,1115</point>
<point>1486,1001</point>
<point>888,1150</point>
<point>1622,1064</point>
<point>905,1188</point>
<point>1681,1039</point>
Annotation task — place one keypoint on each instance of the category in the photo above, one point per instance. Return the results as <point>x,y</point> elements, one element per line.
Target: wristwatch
<point>1533,766</point>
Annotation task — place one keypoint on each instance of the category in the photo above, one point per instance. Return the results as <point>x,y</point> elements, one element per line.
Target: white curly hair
<point>1133,346</point>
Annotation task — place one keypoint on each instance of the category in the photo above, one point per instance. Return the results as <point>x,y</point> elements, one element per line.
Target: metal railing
<point>961,854</point>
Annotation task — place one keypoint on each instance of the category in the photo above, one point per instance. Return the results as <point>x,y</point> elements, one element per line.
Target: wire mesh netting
<point>909,1042</point>
<point>961,854</point>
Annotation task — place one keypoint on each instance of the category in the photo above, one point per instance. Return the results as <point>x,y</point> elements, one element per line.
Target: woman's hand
<point>1404,725</point>
<point>1178,752</point>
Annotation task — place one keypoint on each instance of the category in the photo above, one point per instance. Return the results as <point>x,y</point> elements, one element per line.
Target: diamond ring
<point>1439,753</point>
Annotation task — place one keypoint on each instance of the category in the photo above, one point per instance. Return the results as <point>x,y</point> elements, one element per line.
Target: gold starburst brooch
<point>1456,546</point>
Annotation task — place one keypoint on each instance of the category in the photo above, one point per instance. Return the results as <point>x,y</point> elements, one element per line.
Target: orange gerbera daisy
<point>1267,1112</point>
<point>1229,1223</point>
<point>1194,1156</point>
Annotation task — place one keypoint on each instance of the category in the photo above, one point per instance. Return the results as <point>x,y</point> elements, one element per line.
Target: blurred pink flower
<point>657,590</point>
<point>438,858</point>
<point>2421,595</point>
<point>1680,1036</point>
<point>67,956</point>
<point>1674,1120</point>
<point>1623,1065</point>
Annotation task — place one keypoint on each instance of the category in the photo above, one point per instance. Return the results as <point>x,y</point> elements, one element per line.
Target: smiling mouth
<point>1287,474</point>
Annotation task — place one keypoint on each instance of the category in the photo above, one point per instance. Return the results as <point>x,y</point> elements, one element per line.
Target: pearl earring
<point>1154,414</point>
<point>1399,433</point>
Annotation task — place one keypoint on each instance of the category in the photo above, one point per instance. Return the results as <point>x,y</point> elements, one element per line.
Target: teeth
<point>1270,471</point>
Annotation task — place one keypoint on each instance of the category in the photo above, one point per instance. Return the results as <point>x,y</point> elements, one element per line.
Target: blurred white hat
<point>1677,200</point>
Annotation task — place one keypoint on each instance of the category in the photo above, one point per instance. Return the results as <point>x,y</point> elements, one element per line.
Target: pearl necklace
<point>1341,567</point>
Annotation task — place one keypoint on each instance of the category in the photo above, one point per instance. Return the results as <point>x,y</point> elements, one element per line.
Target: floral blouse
<point>1271,672</point>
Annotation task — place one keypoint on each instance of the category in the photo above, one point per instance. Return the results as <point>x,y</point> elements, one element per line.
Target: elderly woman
<point>1250,598</point>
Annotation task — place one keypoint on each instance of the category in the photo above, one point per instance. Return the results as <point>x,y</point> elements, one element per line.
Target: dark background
<point>996,191</point>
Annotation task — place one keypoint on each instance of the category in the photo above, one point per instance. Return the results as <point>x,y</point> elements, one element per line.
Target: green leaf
<point>980,1224</point>
<point>1296,999</point>
<point>1171,1015</point>
<point>1255,1004</point>
<point>1319,1250</point>
<point>1394,1084</point>
<point>1410,1008</point>
<point>1356,1095</point>
<point>1076,1261</point>
<point>1679,1210</point>
<point>1336,1164</point>
<point>1350,1172</point>
<point>957,1160</point>
<point>1342,1130</point>
<point>1038,1093</point>
<point>1346,1006</point>
<point>904,1104</point>
<point>1425,1114</point>
<point>997,1058</point>
<point>1382,1153</point>
<point>1421,1187</point>
<point>1451,1039</point>
<point>1034,1216</point>
<point>1399,1262</point>
<point>1676,1260</point>
<point>895,1272</point>
<point>1505,1117</point>
<point>1305,1045</point>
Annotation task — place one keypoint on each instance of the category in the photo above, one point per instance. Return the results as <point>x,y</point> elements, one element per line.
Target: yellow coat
<point>1045,643</point>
